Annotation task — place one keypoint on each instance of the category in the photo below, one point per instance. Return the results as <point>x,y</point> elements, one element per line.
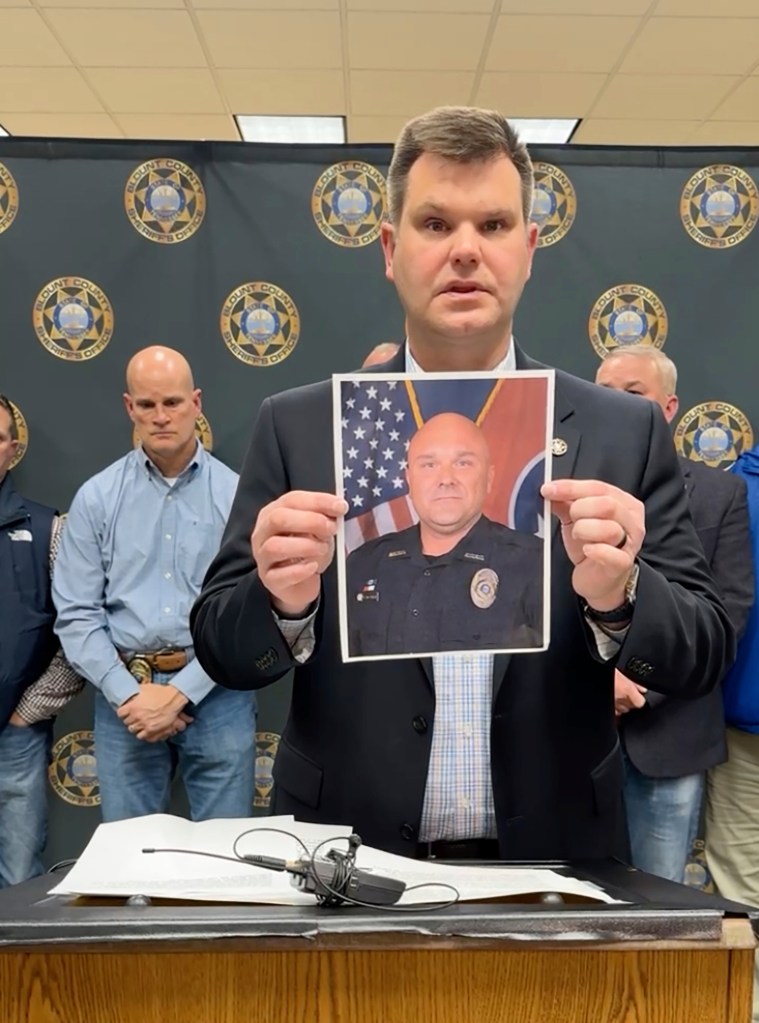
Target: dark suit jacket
<point>671,737</point>
<point>356,746</point>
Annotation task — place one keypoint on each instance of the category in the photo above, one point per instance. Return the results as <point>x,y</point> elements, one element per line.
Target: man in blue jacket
<point>732,809</point>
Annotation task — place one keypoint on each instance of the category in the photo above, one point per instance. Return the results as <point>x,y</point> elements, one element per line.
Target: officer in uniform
<point>457,580</point>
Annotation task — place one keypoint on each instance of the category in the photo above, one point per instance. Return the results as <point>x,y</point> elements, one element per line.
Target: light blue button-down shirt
<point>132,559</point>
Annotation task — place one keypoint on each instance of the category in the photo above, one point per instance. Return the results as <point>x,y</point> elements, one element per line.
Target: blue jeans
<point>662,820</point>
<point>216,756</point>
<point>24,758</point>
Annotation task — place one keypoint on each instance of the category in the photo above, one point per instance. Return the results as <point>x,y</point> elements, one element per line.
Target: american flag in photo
<point>376,427</point>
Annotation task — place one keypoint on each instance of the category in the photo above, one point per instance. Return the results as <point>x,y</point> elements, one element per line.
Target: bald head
<point>449,475</point>
<point>163,403</point>
<point>158,364</point>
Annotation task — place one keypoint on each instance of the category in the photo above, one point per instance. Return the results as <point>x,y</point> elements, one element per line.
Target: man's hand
<point>596,518</point>
<point>155,713</point>
<point>627,695</point>
<point>17,721</point>
<point>293,542</point>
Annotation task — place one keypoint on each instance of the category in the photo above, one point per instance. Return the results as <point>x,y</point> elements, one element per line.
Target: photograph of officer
<point>457,580</point>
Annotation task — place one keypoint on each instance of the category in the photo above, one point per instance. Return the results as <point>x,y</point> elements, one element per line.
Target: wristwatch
<point>623,613</point>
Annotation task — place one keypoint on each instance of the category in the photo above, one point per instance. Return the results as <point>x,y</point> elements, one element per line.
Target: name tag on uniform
<point>20,534</point>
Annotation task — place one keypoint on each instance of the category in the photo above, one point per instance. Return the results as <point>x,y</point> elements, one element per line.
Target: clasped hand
<point>155,712</point>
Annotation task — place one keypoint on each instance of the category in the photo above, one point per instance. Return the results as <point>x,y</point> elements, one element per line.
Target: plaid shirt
<point>59,683</point>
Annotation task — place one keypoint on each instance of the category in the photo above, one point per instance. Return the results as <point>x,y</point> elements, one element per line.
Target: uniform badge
<point>484,588</point>
<point>368,591</point>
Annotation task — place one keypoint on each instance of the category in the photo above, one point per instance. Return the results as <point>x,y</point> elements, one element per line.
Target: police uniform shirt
<point>485,594</point>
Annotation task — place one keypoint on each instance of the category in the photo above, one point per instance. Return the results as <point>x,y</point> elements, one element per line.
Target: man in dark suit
<point>517,756</point>
<point>669,742</point>
<point>456,580</point>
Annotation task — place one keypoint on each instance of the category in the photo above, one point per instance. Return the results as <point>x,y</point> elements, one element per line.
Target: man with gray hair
<point>670,743</point>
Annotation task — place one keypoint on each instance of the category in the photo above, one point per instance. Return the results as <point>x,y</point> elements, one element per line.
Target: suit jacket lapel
<point>690,483</point>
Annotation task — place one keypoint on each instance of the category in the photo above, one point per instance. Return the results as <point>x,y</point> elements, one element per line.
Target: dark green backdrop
<point>624,207</point>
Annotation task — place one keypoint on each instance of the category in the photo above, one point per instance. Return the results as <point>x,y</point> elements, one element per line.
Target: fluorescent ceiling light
<point>2,130</point>
<point>544,130</point>
<point>291,129</point>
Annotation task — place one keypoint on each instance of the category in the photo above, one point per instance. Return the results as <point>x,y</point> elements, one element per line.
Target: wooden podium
<point>65,961</point>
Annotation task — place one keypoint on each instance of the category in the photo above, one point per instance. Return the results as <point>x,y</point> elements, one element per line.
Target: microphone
<point>335,879</point>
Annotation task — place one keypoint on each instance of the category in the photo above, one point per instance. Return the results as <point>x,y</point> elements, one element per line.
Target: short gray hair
<point>667,368</point>
<point>463,135</point>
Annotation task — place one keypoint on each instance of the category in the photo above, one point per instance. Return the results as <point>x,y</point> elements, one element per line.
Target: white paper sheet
<point>114,864</point>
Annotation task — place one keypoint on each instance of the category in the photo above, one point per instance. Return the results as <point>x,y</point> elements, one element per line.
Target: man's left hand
<point>595,519</point>
<point>152,714</point>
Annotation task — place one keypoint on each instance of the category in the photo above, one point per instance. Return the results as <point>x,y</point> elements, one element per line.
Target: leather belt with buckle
<point>143,664</point>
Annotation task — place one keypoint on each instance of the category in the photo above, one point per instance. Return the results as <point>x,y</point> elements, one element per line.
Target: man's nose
<point>465,246</point>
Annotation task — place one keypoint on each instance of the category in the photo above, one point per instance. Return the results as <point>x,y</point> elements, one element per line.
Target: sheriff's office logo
<point>165,201</point>
<point>23,435</point>
<point>8,198</point>
<point>714,432</point>
<point>627,315</point>
<point>348,203</point>
<point>260,324</point>
<point>554,204</point>
<point>719,206</point>
<point>73,318</point>
<point>73,770</point>
<point>202,431</point>
<point>267,744</point>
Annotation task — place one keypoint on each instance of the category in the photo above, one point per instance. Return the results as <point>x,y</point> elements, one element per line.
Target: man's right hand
<point>627,695</point>
<point>293,542</point>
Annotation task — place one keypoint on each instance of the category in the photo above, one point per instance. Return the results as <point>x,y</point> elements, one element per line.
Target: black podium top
<point>654,910</point>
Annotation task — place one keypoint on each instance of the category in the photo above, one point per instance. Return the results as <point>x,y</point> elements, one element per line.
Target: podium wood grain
<point>648,983</point>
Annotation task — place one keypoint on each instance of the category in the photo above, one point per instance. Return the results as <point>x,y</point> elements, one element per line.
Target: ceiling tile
<point>742,105</point>
<point>429,42</point>
<point>615,7</point>
<point>662,97</point>
<point>608,132</point>
<point>26,41</point>
<point>15,3</point>
<point>318,93</point>
<point>272,39</point>
<point>706,9</point>
<point>178,126</point>
<point>406,93</point>
<point>725,133</point>
<point>83,126</point>
<point>135,4</point>
<point>524,43</point>
<point>690,45</point>
<point>157,90</point>
<point>375,129</point>
<point>422,6</point>
<point>118,38</point>
<point>46,90</point>
<point>537,94</point>
<point>265,5</point>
